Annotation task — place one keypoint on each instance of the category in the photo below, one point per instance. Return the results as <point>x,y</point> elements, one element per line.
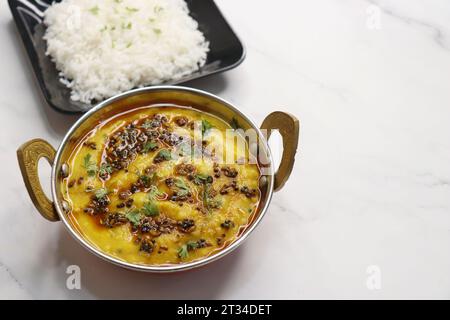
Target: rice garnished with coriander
<point>105,47</point>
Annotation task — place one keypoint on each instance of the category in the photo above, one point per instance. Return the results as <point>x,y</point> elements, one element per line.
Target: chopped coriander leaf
<point>129,44</point>
<point>191,245</point>
<point>206,126</point>
<point>157,30</point>
<point>202,178</point>
<point>154,192</point>
<point>163,155</point>
<point>183,189</point>
<point>146,180</point>
<point>94,10</point>
<point>134,217</point>
<point>101,193</point>
<point>89,165</point>
<point>181,184</point>
<point>91,172</point>
<point>149,146</point>
<point>208,201</point>
<point>150,209</point>
<point>182,192</point>
<point>87,160</point>
<point>105,169</point>
<point>183,252</point>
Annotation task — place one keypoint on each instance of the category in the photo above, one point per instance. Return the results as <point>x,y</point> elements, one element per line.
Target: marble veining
<point>366,212</point>
<point>438,34</point>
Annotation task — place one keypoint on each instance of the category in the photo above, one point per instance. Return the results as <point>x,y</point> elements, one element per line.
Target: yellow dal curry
<point>141,188</point>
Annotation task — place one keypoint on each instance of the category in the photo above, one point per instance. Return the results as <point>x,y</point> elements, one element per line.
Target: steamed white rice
<point>105,47</point>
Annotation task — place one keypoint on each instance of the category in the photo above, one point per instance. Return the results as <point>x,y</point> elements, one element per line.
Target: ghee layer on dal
<point>141,192</point>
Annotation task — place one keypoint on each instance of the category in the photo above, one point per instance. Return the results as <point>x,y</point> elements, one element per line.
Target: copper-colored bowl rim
<point>156,268</point>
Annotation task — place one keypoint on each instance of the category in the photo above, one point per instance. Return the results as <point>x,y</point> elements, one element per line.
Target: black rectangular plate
<point>226,50</point>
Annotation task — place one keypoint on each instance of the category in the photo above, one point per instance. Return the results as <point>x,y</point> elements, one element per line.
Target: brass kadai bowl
<point>56,209</point>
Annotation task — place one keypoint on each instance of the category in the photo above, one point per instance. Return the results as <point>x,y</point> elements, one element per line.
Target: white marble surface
<point>372,181</point>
